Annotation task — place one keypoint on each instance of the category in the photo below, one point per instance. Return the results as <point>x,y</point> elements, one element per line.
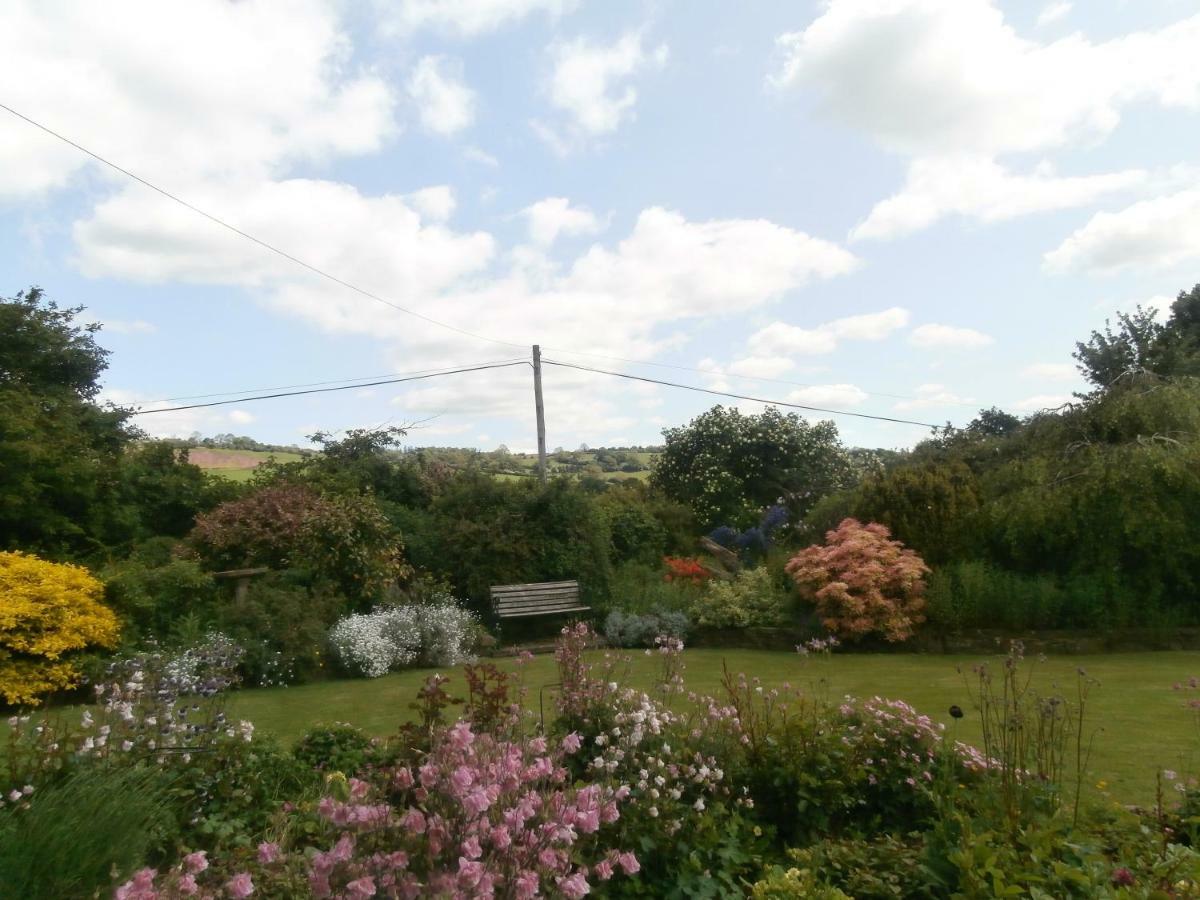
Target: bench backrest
<point>545,599</point>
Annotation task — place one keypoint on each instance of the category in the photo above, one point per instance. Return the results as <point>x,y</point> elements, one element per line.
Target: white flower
<point>698,806</point>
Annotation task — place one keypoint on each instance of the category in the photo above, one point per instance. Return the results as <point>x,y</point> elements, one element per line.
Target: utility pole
<point>541,411</point>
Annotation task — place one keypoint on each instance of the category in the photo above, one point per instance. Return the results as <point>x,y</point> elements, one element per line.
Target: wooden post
<point>541,412</point>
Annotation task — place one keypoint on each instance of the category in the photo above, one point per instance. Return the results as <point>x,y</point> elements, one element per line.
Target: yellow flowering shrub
<point>47,612</point>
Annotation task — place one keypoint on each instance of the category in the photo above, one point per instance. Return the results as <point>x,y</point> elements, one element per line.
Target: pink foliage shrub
<point>863,582</point>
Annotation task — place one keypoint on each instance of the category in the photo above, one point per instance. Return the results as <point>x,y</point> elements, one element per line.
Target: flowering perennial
<point>391,637</point>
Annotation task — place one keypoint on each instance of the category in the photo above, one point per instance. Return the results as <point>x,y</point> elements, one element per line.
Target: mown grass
<point>1136,723</point>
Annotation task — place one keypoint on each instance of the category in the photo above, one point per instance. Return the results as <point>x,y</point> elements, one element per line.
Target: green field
<point>1140,725</point>
<point>236,465</point>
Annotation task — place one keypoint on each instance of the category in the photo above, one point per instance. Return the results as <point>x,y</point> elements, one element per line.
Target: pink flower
<point>572,742</point>
<point>526,885</point>
<point>240,885</point>
<point>403,778</point>
<point>574,886</point>
<point>140,887</point>
<point>361,888</point>
<point>469,873</point>
<point>500,837</point>
<point>629,864</point>
<point>196,862</point>
<point>476,802</point>
<point>187,885</point>
<point>604,870</point>
<point>461,779</point>
<point>471,848</point>
<point>268,853</point>
<point>414,821</point>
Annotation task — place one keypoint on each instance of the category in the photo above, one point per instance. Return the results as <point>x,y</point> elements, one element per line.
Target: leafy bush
<point>50,611</point>
<point>622,629</point>
<point>340,747</point>
<point>67,839</point>
<point>282,624</point>
<point>376,643</point>
<point>480,531</point>
<point>793,884</point>
<point>863,583</point>
<point>152,596</point>
<point>752,598</point>
<point>229,795</point>
<point>343,538</point>
<point>641,588</point>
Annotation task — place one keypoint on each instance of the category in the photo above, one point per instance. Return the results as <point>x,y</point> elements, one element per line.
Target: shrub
<point>344,538</point>
<point>49,612</point>
<point>752,598</point>
<point>230,795</point>
<point>641,588</point>
<point>152,596</point>
<point>686,569</point>
<point>628,629</point>
<point>282,624</point>
<point>862,582</point>
<point>376,643</point>
<point>340,747</point>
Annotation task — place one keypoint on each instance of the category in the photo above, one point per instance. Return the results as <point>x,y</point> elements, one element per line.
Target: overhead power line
<point>345,387</point>
<point>245,234</point>
<point>692,387</point>
<point>726,374</point>
<point>345,381</point>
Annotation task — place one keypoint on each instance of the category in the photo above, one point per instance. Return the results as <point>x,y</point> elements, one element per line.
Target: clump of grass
<point>75,837</point>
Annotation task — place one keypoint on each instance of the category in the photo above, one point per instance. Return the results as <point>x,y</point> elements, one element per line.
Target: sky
<point>900,208</point>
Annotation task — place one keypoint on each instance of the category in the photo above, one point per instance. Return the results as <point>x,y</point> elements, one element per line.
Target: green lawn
<point>1141,724</point>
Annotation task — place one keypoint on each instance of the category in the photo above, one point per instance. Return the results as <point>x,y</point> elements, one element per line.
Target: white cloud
<point>1054,12</point>
<point>1042,401</point>
<point>435,204</point>
<point>382,241</point>
<point>829,395</point>
<point>131,326</point>
<point>870,326</point>
<point>589,84</point>
<point>475,154</point>
<point>554,216</point>
<point>241,417</point>
<point>1151,234</point>
<point>934,77</point>
<point>282,89</point>
<point>1052,371</point>
<point>628,298</point>
<point>761,366</point>
<point>980,188</point>
<point>781,339</point>
<point>932,396</point>
<point>467,18</point>
<point>445,103</point>
<point>948,336</point>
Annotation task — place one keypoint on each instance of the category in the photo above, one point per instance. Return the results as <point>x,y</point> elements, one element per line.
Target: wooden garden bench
<point>549,598</point>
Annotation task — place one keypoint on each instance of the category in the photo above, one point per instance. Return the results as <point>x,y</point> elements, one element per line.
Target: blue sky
<point>907,208</point>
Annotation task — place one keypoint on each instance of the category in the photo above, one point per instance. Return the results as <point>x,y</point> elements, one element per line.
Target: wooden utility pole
<point>541,412</point>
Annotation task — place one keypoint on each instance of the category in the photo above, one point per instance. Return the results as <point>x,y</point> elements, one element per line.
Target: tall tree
<point>728,466</point>
<point>60,451</point>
